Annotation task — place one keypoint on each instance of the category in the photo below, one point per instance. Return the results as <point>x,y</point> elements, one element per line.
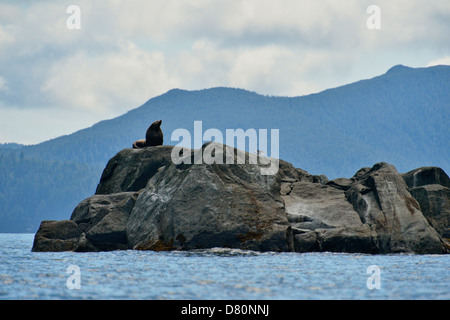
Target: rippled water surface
<point>216,274</point>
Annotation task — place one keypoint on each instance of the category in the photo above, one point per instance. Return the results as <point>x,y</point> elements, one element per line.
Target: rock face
<point>382,200</point>
<point>144,201</point>
<point>430,186</point>
<point>204,206</point>
<point>57,236</point>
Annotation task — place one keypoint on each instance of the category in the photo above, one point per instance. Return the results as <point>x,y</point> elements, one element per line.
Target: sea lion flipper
<point>139,144</point>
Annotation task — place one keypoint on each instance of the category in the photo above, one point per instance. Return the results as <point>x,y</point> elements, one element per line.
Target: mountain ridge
<point>400,117</point>
<point>177,97</point>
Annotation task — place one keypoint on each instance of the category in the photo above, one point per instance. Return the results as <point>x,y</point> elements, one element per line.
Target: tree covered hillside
<point>400,117</point>
<point>32,190</point>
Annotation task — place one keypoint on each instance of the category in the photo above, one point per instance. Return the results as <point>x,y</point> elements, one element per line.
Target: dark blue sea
<point>217,274</point>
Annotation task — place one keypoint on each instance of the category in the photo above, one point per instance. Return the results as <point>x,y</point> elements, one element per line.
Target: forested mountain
<point>11,146</point>
<point>400,117</point>
<point>34,189</point>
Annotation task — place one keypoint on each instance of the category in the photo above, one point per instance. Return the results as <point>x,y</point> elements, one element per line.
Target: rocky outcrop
<point>430,186</point>
<point>57,236</point>
<point>102,219</point>
<point>209,205</point>
<point>144,201</point>
<point>383,202</point>
<point>131,169</point>
<point>322,219</point>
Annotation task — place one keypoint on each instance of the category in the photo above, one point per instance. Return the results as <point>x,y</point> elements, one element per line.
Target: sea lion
<point>153,136</point>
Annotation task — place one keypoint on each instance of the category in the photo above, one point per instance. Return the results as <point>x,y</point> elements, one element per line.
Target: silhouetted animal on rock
<point>153,137</point>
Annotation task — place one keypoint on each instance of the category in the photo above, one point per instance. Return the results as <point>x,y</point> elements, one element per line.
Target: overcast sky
<point>55,80</point>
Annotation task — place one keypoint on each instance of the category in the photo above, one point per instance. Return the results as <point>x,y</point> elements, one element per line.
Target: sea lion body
<point>153,136</point>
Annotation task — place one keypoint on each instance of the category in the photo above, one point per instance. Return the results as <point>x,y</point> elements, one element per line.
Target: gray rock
<point>192,206</point>
<point>382,200</point>
<point>305,241</point>
<point>312,205</point>
<point>320,179</point>
<point>340,183</point>
<point>131,169</point>
<point>103,219</point>
<point>346,239</point>
<point>323,219</point>
<point>145,201</point>
<point>57,236</point>
<point>434,200</point>
<point>360,173</point>
<point>430,186</point>
<point>426,176</point>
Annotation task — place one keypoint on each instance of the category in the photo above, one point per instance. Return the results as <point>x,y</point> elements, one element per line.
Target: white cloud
<point>109,82</point>
<point>3,85</point>
<point>6,35</point>
<point>261,69</point>
<point>129,51</point>
<point>271,69</point>
<point>37,125</point>
<point>440,61</point>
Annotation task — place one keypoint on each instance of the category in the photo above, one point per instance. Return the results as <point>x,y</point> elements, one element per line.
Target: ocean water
<point>217,274</point>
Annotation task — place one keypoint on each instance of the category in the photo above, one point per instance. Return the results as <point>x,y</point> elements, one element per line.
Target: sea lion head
<point>156,124</point>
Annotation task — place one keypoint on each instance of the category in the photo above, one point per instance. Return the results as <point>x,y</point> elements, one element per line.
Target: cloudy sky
<point>55,80</point>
